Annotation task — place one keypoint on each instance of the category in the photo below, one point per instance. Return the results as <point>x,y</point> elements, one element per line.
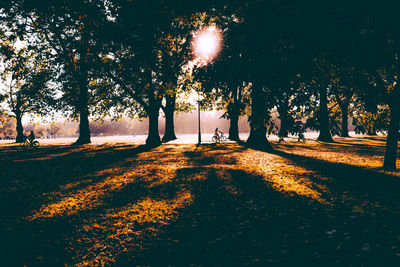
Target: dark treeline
<point>317,63</point>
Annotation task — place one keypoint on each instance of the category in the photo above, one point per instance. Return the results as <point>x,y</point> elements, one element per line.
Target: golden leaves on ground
<point>90,196</point>
<point>127,227</point>
<point>282,175</point>
<point>366,152</point>
<point>150,210</point>
<point>125,205</point>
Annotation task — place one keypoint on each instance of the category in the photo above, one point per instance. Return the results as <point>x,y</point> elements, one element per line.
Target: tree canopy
<point>315,63</point>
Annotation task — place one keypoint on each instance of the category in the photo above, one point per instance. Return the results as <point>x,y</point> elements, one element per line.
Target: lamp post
<point>198,108</point>
<point>206,46</point>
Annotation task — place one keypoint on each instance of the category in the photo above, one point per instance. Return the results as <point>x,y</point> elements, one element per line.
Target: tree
<point>268,51</point>
<point>227,79</point>
<point>387,82</point>
<point>136,68</point>
<point>175,53</point>
<point>138,64</point>
<point>259,119</point>
<point>260,58</point>
<point>289,98</point>
<point>52,130</point>
<point>24,74</point>
<point>74,34</point>
<point>344,83</point>
<point>370,120</point>
<point>40,130</point>
<point>383,69</point>
<point>323,83</point>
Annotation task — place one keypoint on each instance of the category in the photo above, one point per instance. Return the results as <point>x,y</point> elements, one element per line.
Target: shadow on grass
<point>31,178</point>
<point>51,168</point>
<point>181,205</point>
<point>369,150</point>
<point>345,177</point>
<point>237,218</point>
<point>357,178</point>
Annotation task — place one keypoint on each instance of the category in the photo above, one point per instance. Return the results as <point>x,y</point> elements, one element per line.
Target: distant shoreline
<point>182,138</point>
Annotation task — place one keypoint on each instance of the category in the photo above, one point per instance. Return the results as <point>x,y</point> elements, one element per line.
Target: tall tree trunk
<point>258,120</point>
<point>283,130</point>
<point>234,127</point>
<point>392,139</point>
<point>324,130</point>
<point>345,118</point>
<point>283,117</point>
<point>84,131</point>
<point>20,130</point>
<point>233,113</point>
<point>372,128</point>
<point>153,138</point>
<point>169,119</point>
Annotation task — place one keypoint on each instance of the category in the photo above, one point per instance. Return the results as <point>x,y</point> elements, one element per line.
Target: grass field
<point>210,205</point>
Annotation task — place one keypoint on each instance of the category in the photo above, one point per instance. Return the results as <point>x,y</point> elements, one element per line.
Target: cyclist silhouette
<point>218,136</point>
<point>216,132</point>
<point>31,137</point>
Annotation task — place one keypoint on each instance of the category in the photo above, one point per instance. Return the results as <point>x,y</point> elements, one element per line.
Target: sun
<point>207,43</point>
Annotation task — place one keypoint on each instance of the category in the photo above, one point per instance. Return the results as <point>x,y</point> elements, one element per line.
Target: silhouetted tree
<point>24,88</point>
<point>74,35</point>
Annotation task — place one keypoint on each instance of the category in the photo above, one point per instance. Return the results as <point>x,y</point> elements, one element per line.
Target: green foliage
<point>371,121</point>
<point>7,126</point>
<point>71,37</point>
<point>24,74</point>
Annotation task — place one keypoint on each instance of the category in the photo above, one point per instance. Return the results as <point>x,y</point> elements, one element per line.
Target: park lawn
<point>305,203</point>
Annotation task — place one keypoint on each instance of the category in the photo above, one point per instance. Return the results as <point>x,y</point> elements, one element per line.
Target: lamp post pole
<point>198,108</point>
<point>206,46</point>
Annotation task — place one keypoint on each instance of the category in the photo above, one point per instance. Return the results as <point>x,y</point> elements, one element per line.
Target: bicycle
<point>28,143</point>
<point>301,138</point>
<point>219,138</point>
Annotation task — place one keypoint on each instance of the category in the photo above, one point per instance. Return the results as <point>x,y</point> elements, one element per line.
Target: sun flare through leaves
<point>207,44</point>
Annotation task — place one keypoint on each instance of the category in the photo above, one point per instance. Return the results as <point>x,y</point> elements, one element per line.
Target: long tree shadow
<point>182,205</point>
<point>31,183</point>
<point>237,218</point>
<point>132,179</point>
<point>368,150</point>
<point>53,169</point>
<point>359,178</point>
<point>363,184</point>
